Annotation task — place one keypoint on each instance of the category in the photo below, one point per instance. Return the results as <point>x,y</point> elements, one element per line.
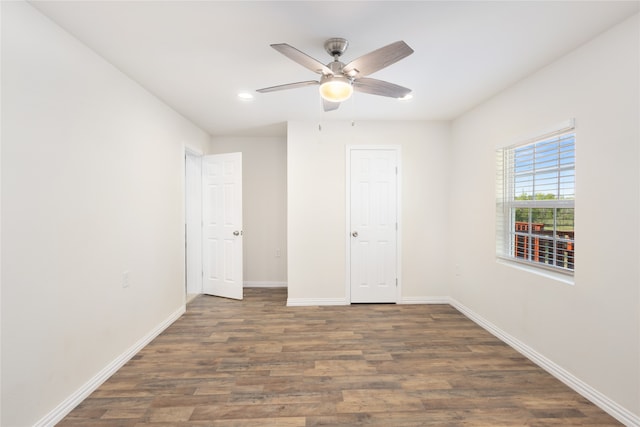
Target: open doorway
<point>193,223</point>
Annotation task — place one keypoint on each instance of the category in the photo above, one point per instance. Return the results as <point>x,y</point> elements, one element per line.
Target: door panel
<point>373,224</point>
<point>222,224</point>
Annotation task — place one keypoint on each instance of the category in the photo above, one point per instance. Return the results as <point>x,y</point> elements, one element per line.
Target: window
<point>535,201</point>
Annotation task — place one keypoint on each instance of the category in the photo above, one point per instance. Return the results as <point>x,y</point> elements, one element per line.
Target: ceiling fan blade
<point>380,87</point>
<point>302,58</point>
<point>330,106</point>
<point>378,59</point>
<point>288,86</point>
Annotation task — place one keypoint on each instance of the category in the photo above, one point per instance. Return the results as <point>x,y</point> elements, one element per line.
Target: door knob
<point>354,234</point>
<point>236,233</point>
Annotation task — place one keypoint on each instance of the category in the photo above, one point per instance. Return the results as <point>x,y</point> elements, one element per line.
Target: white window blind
<point>535,201</point>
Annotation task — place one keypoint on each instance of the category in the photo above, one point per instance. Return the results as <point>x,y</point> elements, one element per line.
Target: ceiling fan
<point>338,81</point>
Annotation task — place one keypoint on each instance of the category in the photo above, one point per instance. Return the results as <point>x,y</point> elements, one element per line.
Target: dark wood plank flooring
<point>259,363</point>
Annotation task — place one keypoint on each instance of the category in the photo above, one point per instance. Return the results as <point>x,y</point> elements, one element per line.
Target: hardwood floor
<point>259,363</point>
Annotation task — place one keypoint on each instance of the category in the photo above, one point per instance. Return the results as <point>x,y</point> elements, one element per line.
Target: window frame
<point>507,203</point>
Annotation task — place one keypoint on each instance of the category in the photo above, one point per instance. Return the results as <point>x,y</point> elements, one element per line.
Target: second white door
<point>222,225</point>
<point>373,225</point>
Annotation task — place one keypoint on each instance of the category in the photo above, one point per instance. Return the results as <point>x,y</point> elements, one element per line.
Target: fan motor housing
<point>336,46</point>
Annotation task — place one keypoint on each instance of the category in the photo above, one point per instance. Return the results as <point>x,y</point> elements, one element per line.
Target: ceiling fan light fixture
<point>336,88</point>
<point>338,81</point>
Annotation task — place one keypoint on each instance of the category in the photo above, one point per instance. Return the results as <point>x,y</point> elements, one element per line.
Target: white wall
<point>591,328</point>
<point>316,205</point>
<point>92,185</point>
<point>264,180</point>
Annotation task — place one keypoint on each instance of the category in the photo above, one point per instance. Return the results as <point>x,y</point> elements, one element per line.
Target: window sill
<point>566,278</point>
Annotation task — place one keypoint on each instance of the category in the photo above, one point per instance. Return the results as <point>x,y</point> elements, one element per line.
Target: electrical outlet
<point>125,279</point>
<point>277,253</point>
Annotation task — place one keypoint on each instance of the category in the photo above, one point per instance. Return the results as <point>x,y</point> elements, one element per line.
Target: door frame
<point>190,151</point>
<point>348,239</point>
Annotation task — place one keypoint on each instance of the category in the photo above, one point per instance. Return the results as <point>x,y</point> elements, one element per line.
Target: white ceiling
<point>197,55</point>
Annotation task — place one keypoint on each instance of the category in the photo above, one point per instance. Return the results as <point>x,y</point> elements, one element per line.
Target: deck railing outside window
<point>542,246</point>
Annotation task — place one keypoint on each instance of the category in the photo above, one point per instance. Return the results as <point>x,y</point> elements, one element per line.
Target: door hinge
<point>396,226</point>
<point>396,170</point>
<point>396,282</point>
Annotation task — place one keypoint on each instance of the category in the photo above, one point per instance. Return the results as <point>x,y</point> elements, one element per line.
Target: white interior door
<point>373,225</point>
<point>222,225</point>
<point>193,222</point>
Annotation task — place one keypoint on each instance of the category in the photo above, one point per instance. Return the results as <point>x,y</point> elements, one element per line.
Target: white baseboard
<point>300,302</point>
<point>263,284</point>
<point>83,392</point>
<point>342,301</point>
<point>425,300</point>
<point>620,413</point>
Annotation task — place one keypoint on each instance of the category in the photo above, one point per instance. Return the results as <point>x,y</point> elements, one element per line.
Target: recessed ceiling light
<point>406,97</point>
<point>245,96</point>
